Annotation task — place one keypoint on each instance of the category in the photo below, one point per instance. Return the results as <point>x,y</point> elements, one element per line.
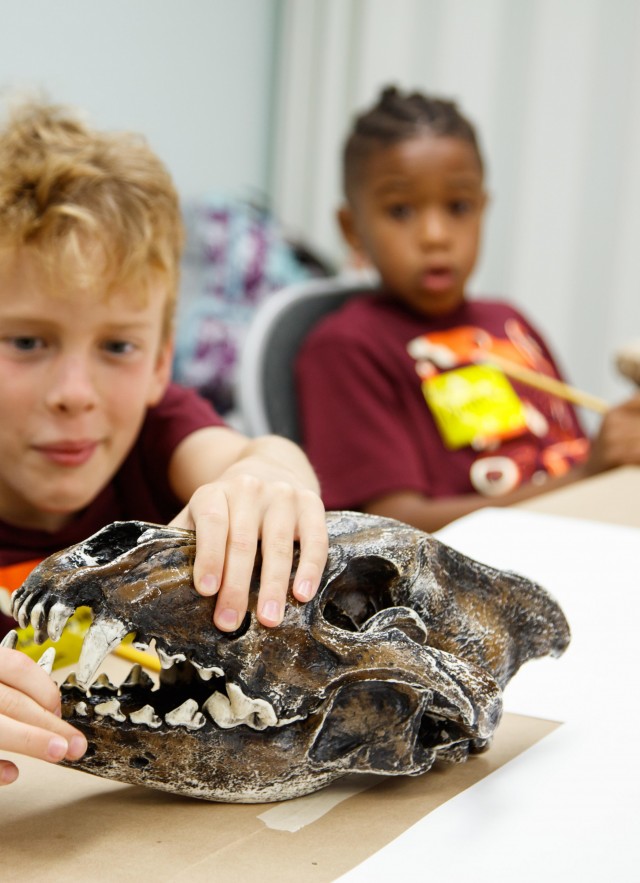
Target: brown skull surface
<point>398,662</point>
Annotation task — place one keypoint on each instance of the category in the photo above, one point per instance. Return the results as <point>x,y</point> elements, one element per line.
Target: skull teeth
<point>102,637</point>
<point>21,613</point>
<point>186,715</point>
<point>10,640</point>
<point>71,683</point>
<point>167,660</point>
<point>207,673</point>
<point>102,683</point>
<point>146,716</point>
<point>38,616</point>
<point>236,708</point>
<point>111,708</point>
<point>58,617</point>
<point>47,659</point>
<point>137,677</point>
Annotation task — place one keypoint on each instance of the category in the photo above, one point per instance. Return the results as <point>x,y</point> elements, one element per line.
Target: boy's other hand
<point>30,720</point>
<point>618,440</point>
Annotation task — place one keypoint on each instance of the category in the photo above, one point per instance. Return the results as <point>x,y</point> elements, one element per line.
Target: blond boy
<point>91,429</point>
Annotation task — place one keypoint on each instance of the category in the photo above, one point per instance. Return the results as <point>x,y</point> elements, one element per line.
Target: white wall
<point>554,88</point>
<point>193,76</point>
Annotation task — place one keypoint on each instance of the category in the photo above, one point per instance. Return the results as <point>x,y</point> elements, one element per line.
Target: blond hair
<point>96,207</point>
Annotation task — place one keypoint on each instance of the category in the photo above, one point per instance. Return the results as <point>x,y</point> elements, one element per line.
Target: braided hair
<point>396,117</point>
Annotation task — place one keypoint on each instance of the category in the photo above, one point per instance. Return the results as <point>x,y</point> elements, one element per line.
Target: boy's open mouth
<point>438,278</point>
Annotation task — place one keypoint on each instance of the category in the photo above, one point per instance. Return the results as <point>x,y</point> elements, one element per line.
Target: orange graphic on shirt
<point>443,350</point>
<point>13,575</point>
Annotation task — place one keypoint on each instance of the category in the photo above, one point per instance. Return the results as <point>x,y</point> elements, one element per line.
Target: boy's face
<point>77,373</point>
<point>416,214</point>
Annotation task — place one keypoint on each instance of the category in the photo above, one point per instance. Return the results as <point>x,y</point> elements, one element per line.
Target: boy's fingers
<point>34,741</point>
<point>24,711</point>
<point>277,556</point>
<point>212,533</point>
<point>314,547</point>
<point>242,544</point>
<point>8,772</point>
<point>20,672</point>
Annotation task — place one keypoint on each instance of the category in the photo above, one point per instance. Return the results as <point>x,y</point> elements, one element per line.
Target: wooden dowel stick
<point>547,384</point>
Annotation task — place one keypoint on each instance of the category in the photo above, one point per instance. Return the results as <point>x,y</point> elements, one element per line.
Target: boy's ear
<point>161,372</point>
<point>346,221</point>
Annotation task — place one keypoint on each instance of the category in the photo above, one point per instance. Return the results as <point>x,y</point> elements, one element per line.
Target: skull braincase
<point>398,662</point>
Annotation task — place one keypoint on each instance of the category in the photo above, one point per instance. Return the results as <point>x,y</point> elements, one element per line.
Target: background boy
<point>91,430</point>
<point>402,414</point>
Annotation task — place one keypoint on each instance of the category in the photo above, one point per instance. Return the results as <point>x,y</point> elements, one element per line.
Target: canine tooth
<point>81,709</point>
<point>146,715</point>
<point>102,682</point>
<point>10,640</point>
<point>207,673</point>
<point>235,708</point>
<point>186,715</point>
<point>137,677</point>
<point>166,661</point>
<point>58,617</point>
<point>46,660</point>
<point>140,645</point>
<point>102,637</point>
<point>110,709</point>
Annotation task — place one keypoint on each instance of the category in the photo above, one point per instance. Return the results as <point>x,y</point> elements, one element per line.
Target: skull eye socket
<point>363,588</point>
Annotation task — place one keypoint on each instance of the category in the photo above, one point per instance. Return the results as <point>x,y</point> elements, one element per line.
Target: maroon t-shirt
<point>140,489</point>
<point>368,430</point>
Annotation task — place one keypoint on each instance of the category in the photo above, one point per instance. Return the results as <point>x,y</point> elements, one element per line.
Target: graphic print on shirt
<point>521,435</point>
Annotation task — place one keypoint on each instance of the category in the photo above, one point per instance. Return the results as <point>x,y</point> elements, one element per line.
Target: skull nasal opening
<point>114,540</point>
<point>363,588</point>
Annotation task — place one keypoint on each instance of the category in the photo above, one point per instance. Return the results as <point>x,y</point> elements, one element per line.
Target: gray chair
<point>266,389</point>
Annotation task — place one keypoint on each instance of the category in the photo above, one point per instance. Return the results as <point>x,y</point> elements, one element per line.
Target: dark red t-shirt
<point>140,489</point>
<point>367,428</point>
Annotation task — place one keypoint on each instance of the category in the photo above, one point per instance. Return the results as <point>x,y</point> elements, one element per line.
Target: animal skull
<point>398,662</point>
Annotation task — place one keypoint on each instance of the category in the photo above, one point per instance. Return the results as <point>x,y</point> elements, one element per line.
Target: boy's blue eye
<point>26,344</point>
<point>119,347</point>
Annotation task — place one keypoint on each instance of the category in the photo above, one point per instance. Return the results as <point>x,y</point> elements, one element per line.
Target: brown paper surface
<point>60,824</point>
<point>613,497</point>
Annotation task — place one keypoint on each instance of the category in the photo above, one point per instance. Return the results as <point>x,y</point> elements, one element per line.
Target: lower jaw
<point>438,303</point>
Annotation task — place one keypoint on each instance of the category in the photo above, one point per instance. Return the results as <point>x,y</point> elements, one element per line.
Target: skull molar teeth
<point>147,716</point>
<point>233,710</point>
<point>111,708</point>
<point>398,661</point>
<point>186,715</point>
